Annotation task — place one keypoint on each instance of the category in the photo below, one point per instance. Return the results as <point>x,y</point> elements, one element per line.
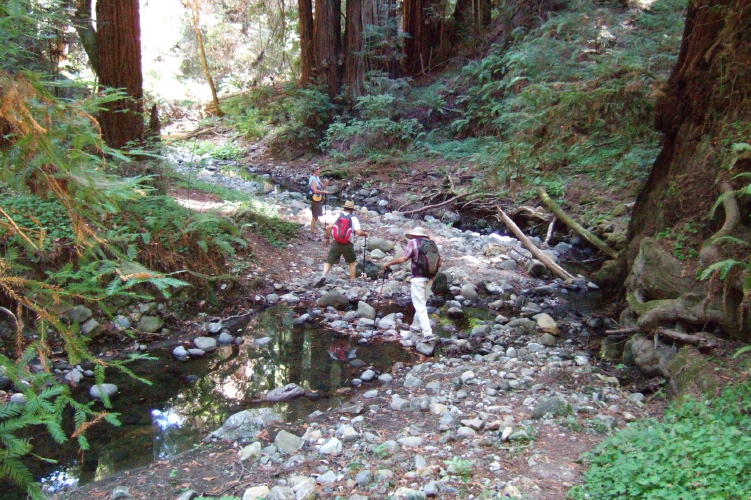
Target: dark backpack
<point>428,258</point>
<point>342,229</point>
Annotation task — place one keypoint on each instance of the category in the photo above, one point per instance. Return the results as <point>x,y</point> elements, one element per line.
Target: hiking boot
<point>321,281</point>
<point>428,337</point>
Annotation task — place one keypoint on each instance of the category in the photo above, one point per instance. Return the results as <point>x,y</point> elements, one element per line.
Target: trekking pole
<point>325,196</point>
<point>378,302</point>
<point>364,248</point>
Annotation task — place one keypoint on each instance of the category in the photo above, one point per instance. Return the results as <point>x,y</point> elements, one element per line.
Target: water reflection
<point>188,400</point>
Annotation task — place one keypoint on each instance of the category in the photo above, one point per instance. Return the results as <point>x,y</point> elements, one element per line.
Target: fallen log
<point>587,235</point>
<point>437,205</point>
<point>533,249</point>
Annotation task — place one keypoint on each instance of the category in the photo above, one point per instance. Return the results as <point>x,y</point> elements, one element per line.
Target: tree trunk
<point>307,52</point>
<point>354,66</point>
<point>327,28</point>
<point>118,40</point>
<point>194,6</point>
<point>705,108</point>
<point>422,22</point>
<point>86,32</point>
<point>472,17</point>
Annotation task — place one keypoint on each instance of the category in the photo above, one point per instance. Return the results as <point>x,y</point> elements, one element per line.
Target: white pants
<point>420,290</point>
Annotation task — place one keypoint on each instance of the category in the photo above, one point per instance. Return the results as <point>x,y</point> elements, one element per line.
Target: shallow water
<point>187,400</point>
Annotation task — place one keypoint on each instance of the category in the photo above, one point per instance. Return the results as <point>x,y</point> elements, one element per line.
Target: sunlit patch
<point>61,480</point>
<point>167,419</point>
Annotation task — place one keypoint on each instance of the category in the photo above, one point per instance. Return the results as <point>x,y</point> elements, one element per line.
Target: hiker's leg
<point>418,289</point>
<point>326,268</point>
<point>348,251</point>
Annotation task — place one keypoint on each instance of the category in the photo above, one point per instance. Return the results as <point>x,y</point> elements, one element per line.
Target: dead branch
<point>437,205</point>
<point>623,331</point>
<point>533,249</point>
<point>701,339</point>
<point>587,235</point>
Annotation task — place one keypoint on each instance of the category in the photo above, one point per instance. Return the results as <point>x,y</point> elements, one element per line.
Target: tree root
<point>709,253</point>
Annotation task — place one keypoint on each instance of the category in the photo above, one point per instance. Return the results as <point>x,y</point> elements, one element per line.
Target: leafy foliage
<point>575,94</point>
<point>697,451</point>
<point>379,124</point>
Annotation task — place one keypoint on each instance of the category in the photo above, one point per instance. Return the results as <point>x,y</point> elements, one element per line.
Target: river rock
<point>246,424</point>
<point>207,344</point>
<point>366,311</point>
<point>547,324</point>
<point>333,299</point>
<point>256,493</point>
<point>332,447</point>
<point>556,407</point>
<point>79,314</point>
<point>98,391</point>
<point>286,393</point>
<point>150,324</point>
<point>287,442</point>
<point>180,352</point>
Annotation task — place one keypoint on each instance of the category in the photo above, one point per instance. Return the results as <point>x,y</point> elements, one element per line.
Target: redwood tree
<point>424,25</point>
<point>118,46</point>
<point>307,49</point>
<point>704,110</point>
<point>327,43</point>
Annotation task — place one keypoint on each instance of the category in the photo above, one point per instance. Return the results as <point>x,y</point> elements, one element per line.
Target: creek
<point>188,399</point>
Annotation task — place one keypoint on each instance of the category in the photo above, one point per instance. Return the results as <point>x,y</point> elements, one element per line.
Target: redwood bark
<point>423,23</point>
<point>354,65</point>
<point>118,40</point>
<point>327,28</point>
<point>307,52</point>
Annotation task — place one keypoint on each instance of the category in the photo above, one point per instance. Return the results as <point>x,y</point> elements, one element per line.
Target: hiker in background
<point>341,231</point>
<point>317,193</point>
<point>423,253</point>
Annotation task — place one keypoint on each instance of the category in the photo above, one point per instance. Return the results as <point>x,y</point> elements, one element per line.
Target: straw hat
<point>415,232</point>
<point>349,204</point>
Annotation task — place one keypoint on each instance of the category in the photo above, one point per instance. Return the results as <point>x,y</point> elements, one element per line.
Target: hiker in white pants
<point>420,285</point>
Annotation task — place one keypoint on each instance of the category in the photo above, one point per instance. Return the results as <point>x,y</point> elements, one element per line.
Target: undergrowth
<point>697,451</point>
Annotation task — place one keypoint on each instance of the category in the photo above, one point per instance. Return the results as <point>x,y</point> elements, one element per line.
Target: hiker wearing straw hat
<point>341,231</point>
<point>317,194</point>
<point>423,254</point>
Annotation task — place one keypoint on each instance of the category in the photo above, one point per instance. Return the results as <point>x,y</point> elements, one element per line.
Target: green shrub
<point>698,451</point>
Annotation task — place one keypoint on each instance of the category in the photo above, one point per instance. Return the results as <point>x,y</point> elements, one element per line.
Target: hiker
<point>317,194</point>
<point>423,253</point>
<point>341,231</point>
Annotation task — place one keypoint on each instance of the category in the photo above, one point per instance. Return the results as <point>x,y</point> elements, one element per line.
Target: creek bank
<point>502,405</point>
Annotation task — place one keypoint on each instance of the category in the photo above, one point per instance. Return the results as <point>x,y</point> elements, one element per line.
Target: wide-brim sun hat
<point>349,204</point>
<point>415,232</point>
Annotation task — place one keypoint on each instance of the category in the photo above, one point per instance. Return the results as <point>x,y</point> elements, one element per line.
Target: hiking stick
<point>324,214</point>
<point>378,302</point>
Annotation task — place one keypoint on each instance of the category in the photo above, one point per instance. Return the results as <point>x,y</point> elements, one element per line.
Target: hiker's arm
<point>360,232</point>
<point>400,260</point>
<point>314,187</point>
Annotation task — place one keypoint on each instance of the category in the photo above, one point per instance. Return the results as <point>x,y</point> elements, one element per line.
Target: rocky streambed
<point>502,405</point>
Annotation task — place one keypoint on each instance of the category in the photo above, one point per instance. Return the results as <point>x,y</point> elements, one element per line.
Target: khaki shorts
<point>337,250</point>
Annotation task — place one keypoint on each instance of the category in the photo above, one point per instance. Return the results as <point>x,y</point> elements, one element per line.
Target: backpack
<point>428,259</point>
<point>342,229</point>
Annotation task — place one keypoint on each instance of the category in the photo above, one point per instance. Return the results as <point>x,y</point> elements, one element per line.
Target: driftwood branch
<point>437,205</point>
<point>587,235</point>
<point>699,339</point>
<point>533,249</point>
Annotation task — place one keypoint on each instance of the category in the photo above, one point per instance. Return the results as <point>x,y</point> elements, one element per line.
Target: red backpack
<point>342,229</point>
